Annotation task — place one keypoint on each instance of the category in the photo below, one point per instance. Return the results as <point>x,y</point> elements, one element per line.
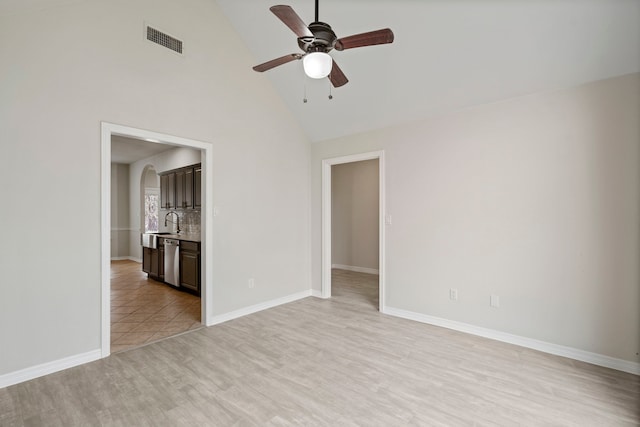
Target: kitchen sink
<point>150,240</point>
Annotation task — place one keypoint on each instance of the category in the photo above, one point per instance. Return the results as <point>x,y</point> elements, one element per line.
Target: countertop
<point>191,237</point>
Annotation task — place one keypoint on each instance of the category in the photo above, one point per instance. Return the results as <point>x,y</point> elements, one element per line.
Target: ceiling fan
<point>316,41</point>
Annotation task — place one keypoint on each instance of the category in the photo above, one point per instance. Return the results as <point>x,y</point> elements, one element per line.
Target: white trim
<point>107,130</point>
<point>326,219</point>
<point>33,372</point>
<point>126,258</point>
<point>546,347</point>
<point>206,231</point>
<point>105,224</point>
<point>257,307</point>
<point>356,269</point>
<point>325,287</point>
<point>314,292</point>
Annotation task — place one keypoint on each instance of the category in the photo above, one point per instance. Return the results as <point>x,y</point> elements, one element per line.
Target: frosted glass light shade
<point>317,65</point>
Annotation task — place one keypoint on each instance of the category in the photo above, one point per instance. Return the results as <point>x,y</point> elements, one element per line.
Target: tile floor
<point>143,310</point>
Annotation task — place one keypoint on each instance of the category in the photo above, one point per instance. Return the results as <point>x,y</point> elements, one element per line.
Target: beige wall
<point>119,211</point>
<point>151,179</point>
<point>354,215</point>
<point>67,68</point>
<point>534,199</point>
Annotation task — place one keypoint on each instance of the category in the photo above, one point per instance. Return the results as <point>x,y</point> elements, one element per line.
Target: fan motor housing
<point>323,39</point>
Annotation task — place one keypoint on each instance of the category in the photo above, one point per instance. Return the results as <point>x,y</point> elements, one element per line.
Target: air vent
<point>163,39</point>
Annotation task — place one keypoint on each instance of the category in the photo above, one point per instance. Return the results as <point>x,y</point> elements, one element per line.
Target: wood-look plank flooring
<point>335,362</point>
<point>144,310</point>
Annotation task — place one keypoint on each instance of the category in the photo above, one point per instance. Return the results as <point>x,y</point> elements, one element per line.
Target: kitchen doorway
<point>144,308</point>
<point>327,222</point>
<point>110,130</point>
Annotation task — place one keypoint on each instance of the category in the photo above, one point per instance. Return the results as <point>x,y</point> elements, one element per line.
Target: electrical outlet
<point>453,294</point>
<point>495,301</point>
<point>252,283</point>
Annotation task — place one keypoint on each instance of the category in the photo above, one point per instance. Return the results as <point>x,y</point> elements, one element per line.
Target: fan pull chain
<point>330,95</point>
<point>304,100</point>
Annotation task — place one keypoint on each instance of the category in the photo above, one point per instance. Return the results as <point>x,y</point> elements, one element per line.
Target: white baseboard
<point>546,347</point>
<point>317,294</point>
<point>356,269</point>
<point>27,374</point>
<point>33,372</point>
<point>214,320</point>
<point>126,258</point>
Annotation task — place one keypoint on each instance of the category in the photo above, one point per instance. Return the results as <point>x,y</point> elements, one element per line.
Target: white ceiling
<point>128,150</point>
<point>447,54</point>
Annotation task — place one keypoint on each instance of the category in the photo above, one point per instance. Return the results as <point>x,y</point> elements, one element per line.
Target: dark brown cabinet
<point>168,191</point>
<point>146,259</point>
<point>180,188</point>
<point>197,186</point>
<point>189,258</point>
<point>153,262</point>
<point>188,195</point>
<point>161,259</point>
<point>190,266</point>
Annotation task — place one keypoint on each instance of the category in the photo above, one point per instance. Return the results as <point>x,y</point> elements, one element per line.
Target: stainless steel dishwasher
<point>172,262</point>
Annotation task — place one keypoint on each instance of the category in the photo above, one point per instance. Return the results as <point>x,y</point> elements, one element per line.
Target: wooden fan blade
<point>365,39</point>
<point>275,62</point>
<point>291,20</point>
<point>337,77</point>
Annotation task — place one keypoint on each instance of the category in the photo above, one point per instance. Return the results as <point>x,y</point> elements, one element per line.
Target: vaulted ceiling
<point>447,54</point>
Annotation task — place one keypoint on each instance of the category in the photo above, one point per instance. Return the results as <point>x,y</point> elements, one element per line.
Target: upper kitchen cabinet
<point>188,196</point>
<point>168,191</point>
<point>197,186</point>
<point>180,188</point>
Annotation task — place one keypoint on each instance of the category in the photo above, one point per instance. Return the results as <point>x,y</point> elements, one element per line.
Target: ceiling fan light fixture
<point>317,65</point>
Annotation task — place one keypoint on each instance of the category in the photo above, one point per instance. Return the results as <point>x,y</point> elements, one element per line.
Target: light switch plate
<point>495,301</point>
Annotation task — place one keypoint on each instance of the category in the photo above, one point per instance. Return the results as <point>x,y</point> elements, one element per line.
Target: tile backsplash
<point>189,220</point>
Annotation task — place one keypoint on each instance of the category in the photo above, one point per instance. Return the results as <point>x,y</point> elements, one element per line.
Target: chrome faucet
<point>177,223</point>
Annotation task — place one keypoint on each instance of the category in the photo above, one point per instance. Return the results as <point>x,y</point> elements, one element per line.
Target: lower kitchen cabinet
<point>146,260</point>
<point>153,262</point>
<point>161,259</point>
<point>190,266</point>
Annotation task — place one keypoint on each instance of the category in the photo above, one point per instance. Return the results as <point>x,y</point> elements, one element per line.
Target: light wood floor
<point>334,362</point>
<point>144,311</point>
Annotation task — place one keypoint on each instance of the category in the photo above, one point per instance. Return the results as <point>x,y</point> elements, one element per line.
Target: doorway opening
<point>143,220</point>
<point>352,255</point>
<point>144,307</point>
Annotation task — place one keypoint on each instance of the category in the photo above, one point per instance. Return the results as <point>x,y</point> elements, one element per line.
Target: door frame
<point>206,153</point>
<point>326,220</point>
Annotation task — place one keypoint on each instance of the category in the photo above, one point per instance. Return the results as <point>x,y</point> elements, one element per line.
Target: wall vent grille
<point>163,39</point>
